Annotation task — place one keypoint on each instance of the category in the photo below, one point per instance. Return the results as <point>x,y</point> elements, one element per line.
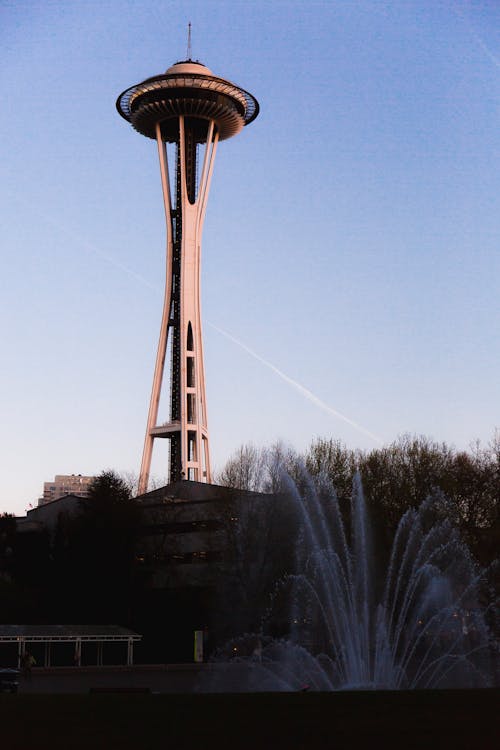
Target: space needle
<point>191,108</point>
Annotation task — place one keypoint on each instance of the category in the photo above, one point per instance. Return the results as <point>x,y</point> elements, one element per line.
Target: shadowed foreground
<point>417,719</point>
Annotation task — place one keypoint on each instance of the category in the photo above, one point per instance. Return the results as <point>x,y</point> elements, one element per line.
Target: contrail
<point>77,239</point>
<point>298,386</point>
<point>494,59</point>
<point>90,247</point>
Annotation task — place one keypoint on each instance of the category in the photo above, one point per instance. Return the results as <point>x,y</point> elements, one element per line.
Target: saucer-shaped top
<point>190,89</point>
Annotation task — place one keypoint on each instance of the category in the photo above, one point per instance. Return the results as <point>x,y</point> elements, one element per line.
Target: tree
<point>244,470</point>
<point>259,469</point>
<point>260,534</point>
<point>337,462</point>
<point>94,553</point>
<point>395,478</point>
<point>260,526</point>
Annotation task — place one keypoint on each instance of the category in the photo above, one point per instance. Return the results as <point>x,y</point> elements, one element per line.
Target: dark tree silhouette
<point>94,554</point>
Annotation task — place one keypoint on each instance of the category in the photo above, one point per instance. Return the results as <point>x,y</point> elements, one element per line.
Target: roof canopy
<point>68,633</point>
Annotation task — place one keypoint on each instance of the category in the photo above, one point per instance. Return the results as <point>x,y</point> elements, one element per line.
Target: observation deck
<point>187,88</point>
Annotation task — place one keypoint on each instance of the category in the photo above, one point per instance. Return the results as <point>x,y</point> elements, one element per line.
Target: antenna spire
<point>188,53</point>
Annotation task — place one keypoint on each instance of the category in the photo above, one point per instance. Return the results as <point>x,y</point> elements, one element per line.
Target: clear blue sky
<point>351,238</point>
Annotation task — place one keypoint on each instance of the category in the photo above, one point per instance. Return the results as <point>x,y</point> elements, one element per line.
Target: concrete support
<point>184,222</point>
<point>130,652</point>
<point>78,652</point>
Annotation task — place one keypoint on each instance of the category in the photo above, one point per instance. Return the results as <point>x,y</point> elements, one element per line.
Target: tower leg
<point>162,343</point>
<point>187,428</point>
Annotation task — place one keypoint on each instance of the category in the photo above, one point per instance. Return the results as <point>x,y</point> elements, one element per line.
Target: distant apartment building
<point>65,484</point>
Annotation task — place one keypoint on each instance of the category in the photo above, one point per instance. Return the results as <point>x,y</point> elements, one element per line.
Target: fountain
<point>419,626</point>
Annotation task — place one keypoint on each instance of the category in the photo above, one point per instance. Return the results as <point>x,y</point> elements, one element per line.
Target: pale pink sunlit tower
<point>192,109</point>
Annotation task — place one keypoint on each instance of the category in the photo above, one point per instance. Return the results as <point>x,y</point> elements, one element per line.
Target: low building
<point>200,553</point>
<point>67,645</point>
<point>47,515</point>
<point>184,536</point>
<point>187,555</point>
